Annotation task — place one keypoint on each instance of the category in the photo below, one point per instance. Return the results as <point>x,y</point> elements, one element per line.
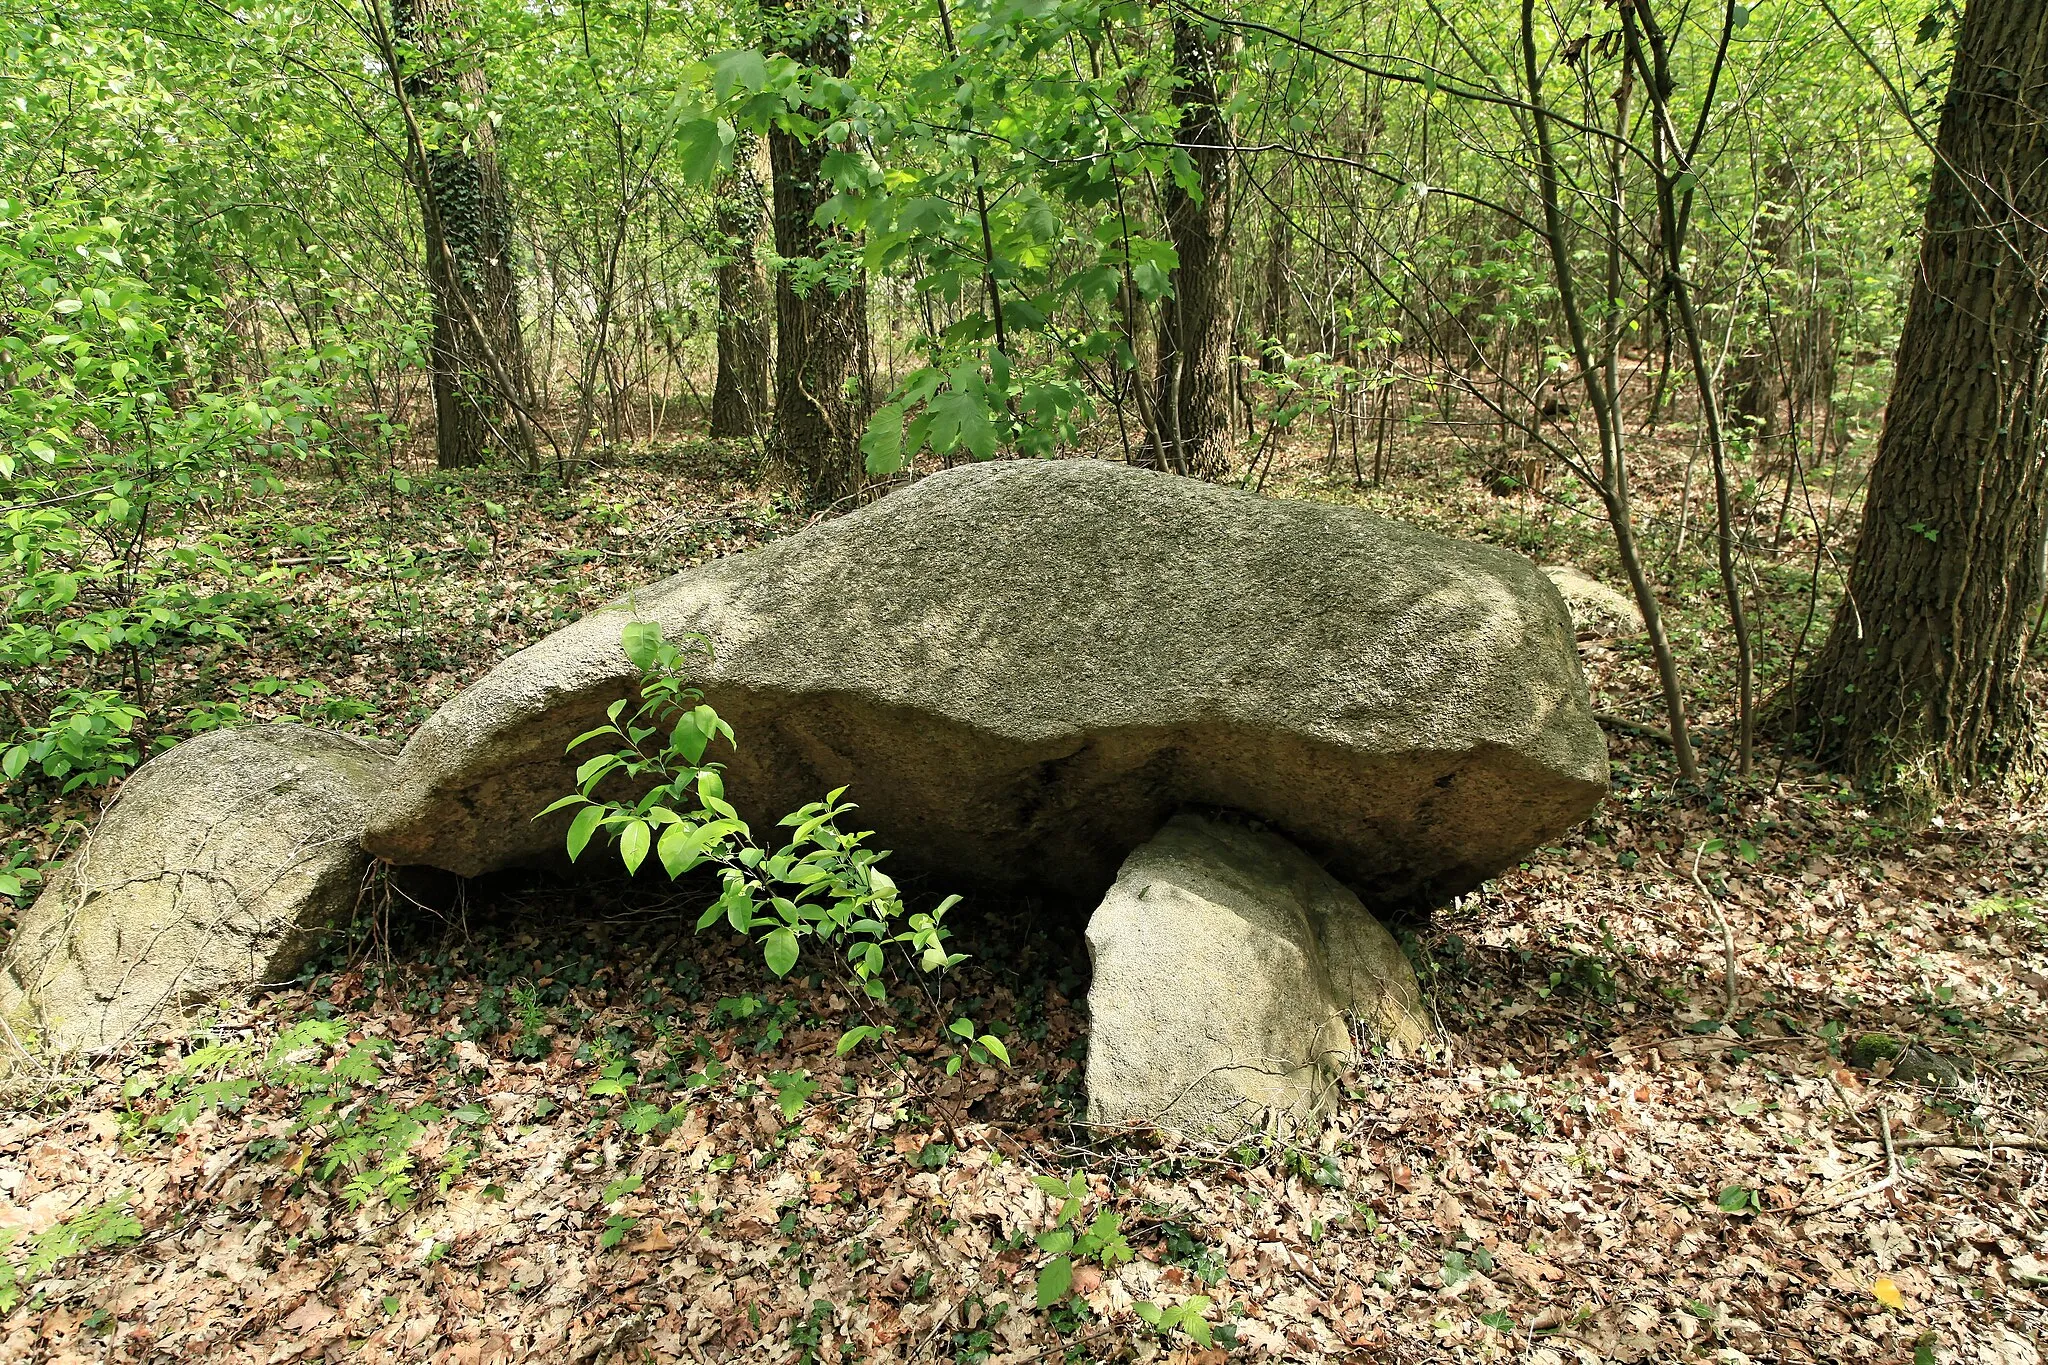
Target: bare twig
<point>1727,935</point>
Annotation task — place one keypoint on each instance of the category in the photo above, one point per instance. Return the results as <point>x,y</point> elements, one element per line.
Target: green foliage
<point>1190,1315</point>
<point>823,886</point>
<point>87,740</point>
<point>104,1225</point>
<point>117,424</point>
<point>347,1131</point>
<point>1101,1240</point>
<point>1737,1199</point>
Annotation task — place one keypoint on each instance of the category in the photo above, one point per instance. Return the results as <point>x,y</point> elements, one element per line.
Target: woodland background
<point>349,348</point>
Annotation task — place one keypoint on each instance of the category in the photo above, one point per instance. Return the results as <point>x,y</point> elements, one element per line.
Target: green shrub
<point>120,417</point>
<point>822,886</point>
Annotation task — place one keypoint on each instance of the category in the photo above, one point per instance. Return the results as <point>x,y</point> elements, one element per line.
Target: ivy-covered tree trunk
<point>479,357</point>
<point>823,384</point>
<point>739,401</point>
<point>1922,679</point>
<point>1193,401</point>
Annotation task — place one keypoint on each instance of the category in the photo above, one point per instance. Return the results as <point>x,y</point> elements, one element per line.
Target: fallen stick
<point>1984,1144</point>
<point>1633,727</point>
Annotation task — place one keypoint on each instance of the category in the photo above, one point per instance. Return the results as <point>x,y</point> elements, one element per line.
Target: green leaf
<point>995,1048</point>
<point>642,640</point>
<point>854,1037</point>
<point>700,144</point>
<point>582,827</point>
<point>633,845</point>
<point>679,850</point>
<point>1054,1281</point>
<point>883,443</point>
<point>588,774</point>
<point>779,951</point>
<point>572,800</point>
<point>744,68</point>
<point>1736,1198</point>
<point>792,1091</point>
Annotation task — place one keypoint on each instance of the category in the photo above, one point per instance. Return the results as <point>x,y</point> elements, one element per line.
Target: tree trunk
<point>1922,680</point>
<point>1193,403</point>
<point>823,380</point>
<point>1276,295</point>
<point>739,402</point>
<point>478,355</point>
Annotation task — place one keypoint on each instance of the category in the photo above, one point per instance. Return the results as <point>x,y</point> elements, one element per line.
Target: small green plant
<point>104,1225</point>
<point>531,1045</point>
<point>88,740</point>
<point>350,1133</point>
<point>1101,1241</point>
<point>18,874</point>
<point>793,1089</point>
<point>1737,1199</point>
<point>1192,1254</point>
<point>618,1226</point>
<point>823,885</point>
<point>1190,1315</point>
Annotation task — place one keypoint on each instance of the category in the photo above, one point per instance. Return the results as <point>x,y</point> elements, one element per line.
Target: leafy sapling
<point>1190,1315</point>
<point>822,885</point>
<point>1102,1240</point>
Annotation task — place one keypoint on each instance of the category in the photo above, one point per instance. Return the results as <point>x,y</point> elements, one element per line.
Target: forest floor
<point>557,1125</point>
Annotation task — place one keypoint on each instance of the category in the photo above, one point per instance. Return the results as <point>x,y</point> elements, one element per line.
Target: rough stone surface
<point>1595,608</point>
<point>1023,668</point>
<point>213,871</point>
<point>1226,962</point>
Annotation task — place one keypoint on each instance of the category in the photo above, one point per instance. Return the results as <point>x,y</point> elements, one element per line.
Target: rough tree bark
<point>739,401</point>
<point>1921,683</point>
<point>479,359</point>
<point>823,379</point>
<point>1193,402</point>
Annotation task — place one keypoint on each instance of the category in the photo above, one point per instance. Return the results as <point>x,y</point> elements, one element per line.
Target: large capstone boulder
<point>1230,973</point>
<point>216,869</point>
<point>1022,669</point>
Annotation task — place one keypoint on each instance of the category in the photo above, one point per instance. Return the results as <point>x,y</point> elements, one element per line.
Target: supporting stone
<point>1230,970</point>
<point>216,870</point>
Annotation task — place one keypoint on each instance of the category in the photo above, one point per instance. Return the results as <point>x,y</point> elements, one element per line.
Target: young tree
<point>1276,298</point>
<point>1193,401</point>
<point>739,401</point>
<point>823,383</point>
<point>1921,680</point>
<point>478,356</point>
